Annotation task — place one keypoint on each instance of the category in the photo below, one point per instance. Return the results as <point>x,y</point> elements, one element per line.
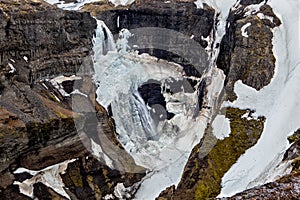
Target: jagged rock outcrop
<point>246,49</point>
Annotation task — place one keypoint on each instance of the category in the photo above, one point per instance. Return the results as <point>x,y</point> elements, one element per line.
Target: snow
<point>12,68</point>
<point>57,83</point>
<point>221,127</point>
<point>49,176</point>
<point>121,192</point>
<point>80,3</point>
<point>252,9</point>
<point>243,29</point>
<point>98,152</point>
<point>262,16</point>
<point>25,58</point>
<point>222,7</point>
<point>76,91</point>
<point>108,196</point>
<point>121,2</point>
<point>278,102</point>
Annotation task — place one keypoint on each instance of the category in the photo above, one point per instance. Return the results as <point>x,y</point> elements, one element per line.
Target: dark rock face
<point>179,16</point>
<point>54,41</point>
<point>249,2</point>
<point>251,58</point>
<point>37,123</point>
<point>86,179</point>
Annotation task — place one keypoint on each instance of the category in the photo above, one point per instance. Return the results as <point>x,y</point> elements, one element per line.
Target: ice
<point>278,102</point>
<point>118,74</point>
<point>243,29</point>
<point>50,176</point>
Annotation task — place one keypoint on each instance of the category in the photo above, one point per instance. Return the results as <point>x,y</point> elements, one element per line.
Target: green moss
<point>244,134</point>
<point>75,177</point>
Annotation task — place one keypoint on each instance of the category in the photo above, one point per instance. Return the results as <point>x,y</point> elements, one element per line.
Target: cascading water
<point>163,144</point>
<point>118,75</point>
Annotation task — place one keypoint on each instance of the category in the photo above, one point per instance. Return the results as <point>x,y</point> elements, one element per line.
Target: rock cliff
<point>37,122</point>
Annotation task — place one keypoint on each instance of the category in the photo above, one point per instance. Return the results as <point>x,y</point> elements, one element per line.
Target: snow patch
<point>221,127</point>
<point>57,83</point>
<point>98,152</point>
<point>25,58</point>
<point>243,29</point>
<point>12,68</point>
<point>50,176</point>
<point>262,16</point>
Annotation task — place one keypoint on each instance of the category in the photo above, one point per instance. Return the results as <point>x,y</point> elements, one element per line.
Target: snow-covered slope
<point>278,102</point>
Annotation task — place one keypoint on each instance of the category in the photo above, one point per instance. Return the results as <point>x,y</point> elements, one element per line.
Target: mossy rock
<point>206,168</point>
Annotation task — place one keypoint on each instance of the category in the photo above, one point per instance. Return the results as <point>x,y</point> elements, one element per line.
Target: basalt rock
<point>248,55</point>
<point>52,41</point>
<point>38,123</point>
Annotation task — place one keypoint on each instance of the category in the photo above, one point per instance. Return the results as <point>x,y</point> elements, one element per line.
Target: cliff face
<point>34,44</point>
<point>246,49</point>
<point>37,122</point>
<point>53,41</point>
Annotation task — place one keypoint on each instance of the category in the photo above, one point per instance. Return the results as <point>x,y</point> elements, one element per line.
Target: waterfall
<point>145,117</point>
<point>103,41</point>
